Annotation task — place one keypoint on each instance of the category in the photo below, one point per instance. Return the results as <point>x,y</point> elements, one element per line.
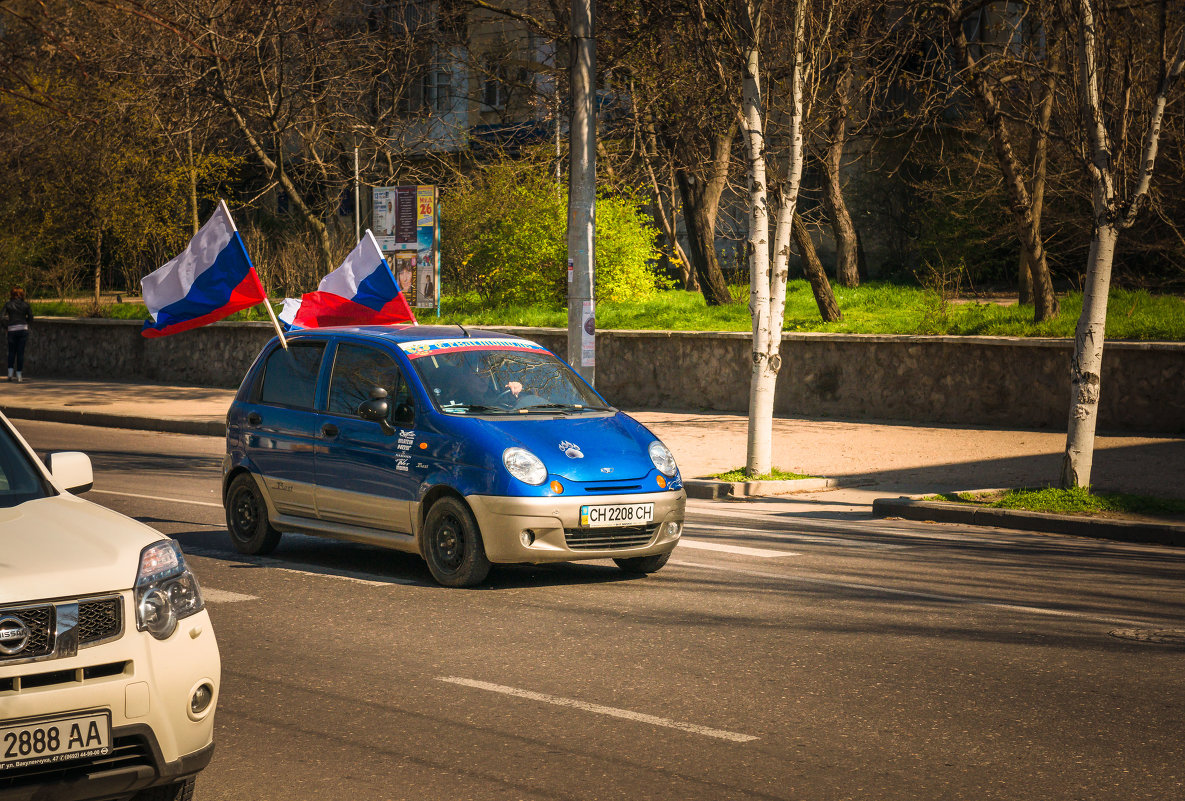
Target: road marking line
<point>929,596</point>
<point>369,579</point>
<point>764,553</point>
<point>792,536</point>
<point>211,595</point>
<point>157,498</point>
<point>600,710</point>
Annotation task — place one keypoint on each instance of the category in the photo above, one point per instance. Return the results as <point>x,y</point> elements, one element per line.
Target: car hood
<point>64,546</point>
<point>586,448</point>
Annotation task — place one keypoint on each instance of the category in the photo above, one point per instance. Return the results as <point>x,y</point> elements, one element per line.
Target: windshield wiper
<point>566,408</point>
<point>472,407</point>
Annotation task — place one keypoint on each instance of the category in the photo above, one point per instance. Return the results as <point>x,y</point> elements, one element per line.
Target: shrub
<point>505,238</point>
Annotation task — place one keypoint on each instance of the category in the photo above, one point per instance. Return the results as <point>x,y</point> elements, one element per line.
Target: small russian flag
<point>362,291</point>
<point>211,279</point>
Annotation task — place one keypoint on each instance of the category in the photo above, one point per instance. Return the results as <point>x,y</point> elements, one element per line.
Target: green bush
<point>505,238</point>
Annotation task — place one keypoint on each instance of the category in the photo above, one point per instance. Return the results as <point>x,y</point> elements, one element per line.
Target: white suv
<point>109,670</point>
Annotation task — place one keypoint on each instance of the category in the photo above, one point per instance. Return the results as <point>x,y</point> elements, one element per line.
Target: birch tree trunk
<point>1112,213</point>
<point>767,282</point>
<point>1086,367</point>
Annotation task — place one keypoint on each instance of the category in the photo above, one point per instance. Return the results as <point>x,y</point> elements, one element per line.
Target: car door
<point>281,427</point>
<point>365,476</point>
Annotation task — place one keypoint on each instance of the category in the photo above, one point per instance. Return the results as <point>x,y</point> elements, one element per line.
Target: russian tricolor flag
<point>211,279</point>
<point>363,291</point>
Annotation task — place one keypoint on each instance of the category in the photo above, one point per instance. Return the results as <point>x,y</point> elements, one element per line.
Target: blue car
<point>467,447</point>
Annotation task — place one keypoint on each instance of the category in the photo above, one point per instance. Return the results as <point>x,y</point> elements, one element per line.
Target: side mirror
<point>377,409</point>
<point>71,470</point>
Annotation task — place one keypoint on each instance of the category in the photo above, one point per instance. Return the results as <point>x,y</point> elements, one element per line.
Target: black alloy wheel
<point>251,531</point>
<point>452,545</point>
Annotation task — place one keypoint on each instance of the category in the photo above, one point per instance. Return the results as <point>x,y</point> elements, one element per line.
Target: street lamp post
<point>582,193</point>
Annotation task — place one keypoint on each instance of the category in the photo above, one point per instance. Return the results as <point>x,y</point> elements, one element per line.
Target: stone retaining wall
<point>962,380</point>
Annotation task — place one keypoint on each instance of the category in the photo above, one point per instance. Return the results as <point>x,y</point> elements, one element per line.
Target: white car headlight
<point>524,465</point>
<point>662,458</point>
<point>166,592</point>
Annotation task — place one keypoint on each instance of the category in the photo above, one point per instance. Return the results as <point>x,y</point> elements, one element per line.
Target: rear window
<point>290,376</point>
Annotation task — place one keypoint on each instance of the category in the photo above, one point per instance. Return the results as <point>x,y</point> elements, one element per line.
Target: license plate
<point>44,742</point>
<point>616,514</point>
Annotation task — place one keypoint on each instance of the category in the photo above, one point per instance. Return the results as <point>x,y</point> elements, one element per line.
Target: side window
<point>290,376</point>
<point>356,371</point>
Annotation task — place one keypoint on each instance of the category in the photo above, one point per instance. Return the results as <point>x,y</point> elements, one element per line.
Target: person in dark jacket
<point>16,319</point>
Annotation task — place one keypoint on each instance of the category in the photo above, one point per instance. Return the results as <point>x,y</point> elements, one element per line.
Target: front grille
<point>40,621</point>
<point>599,488</point>
<point>54,678</point>
<point>596,539</point>
<point>126,752</point>
<point>99,620</point>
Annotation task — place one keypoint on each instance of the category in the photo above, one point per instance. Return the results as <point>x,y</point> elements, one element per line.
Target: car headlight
<point>662,458</point>
<point>524,465</point>
<point>166,592</point>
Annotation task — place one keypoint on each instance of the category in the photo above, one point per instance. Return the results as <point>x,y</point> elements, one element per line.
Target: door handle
<point>253,419</point>
<point>329,430</point>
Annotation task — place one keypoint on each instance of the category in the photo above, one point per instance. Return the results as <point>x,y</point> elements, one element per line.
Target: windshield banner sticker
<point>415,350</point>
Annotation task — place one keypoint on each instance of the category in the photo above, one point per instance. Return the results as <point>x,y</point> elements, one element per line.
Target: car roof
<point>404,333</point>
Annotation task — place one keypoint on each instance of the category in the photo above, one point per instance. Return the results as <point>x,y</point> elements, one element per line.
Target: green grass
<point>1076,501</point>
<point>874,308</point>
<point>776,474</point>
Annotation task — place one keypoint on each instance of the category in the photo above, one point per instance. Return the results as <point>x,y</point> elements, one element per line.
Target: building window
<point>430,92</point>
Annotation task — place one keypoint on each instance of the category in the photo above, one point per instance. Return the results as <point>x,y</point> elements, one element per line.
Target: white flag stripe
<point>172,281</point>
<point>363,260</point>
<point>291,307</point>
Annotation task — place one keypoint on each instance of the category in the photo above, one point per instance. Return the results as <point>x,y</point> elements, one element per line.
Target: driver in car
<point>471,384</point>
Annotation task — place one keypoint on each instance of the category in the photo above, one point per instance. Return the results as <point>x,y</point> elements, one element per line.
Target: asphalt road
<point>776,657</point>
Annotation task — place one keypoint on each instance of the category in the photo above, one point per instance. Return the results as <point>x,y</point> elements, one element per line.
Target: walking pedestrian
<point>16,319</point>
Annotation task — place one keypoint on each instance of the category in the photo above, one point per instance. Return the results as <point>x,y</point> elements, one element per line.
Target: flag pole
<point>276,323</point>
<point>266,304</point>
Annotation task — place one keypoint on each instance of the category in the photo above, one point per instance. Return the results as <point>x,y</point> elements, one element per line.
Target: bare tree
<point>767,276</point>
<point>1120,164</point>
<point>977,70</point>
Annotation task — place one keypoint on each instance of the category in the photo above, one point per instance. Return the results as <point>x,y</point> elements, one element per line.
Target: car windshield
<point>19,479</point>
<point>504,381</point>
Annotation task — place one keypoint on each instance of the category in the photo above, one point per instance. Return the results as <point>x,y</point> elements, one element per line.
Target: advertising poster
<point>406,227</point>
<point>427,275</point>
<point>405,273</point>
<point>588,335</point>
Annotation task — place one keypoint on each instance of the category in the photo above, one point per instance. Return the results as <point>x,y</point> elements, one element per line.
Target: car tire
<point>178,791</point>
<point>452,545</point>
<point>643,564</point>
<point>251,531</point>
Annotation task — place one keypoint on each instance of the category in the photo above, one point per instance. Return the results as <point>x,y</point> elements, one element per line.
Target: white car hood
<point>64,546</point>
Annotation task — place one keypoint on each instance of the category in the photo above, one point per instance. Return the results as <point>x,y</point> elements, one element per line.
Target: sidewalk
<point>874,459</point>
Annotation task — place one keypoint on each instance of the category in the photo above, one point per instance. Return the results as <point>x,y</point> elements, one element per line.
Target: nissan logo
<point>14,635</point>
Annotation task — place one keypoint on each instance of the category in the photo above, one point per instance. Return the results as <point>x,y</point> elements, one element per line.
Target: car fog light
<point>157,613</point>
<point>201,699</point>
<point>672,529</point>
<point>527,537</point>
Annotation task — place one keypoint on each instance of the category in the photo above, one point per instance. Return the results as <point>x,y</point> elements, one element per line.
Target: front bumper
<point>503,520</point>
<point>145,684</point>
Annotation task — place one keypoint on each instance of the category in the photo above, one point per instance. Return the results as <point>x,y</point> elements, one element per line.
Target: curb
<point>1077,526</point>
<point>209,428</point>
<point>713,490</point>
